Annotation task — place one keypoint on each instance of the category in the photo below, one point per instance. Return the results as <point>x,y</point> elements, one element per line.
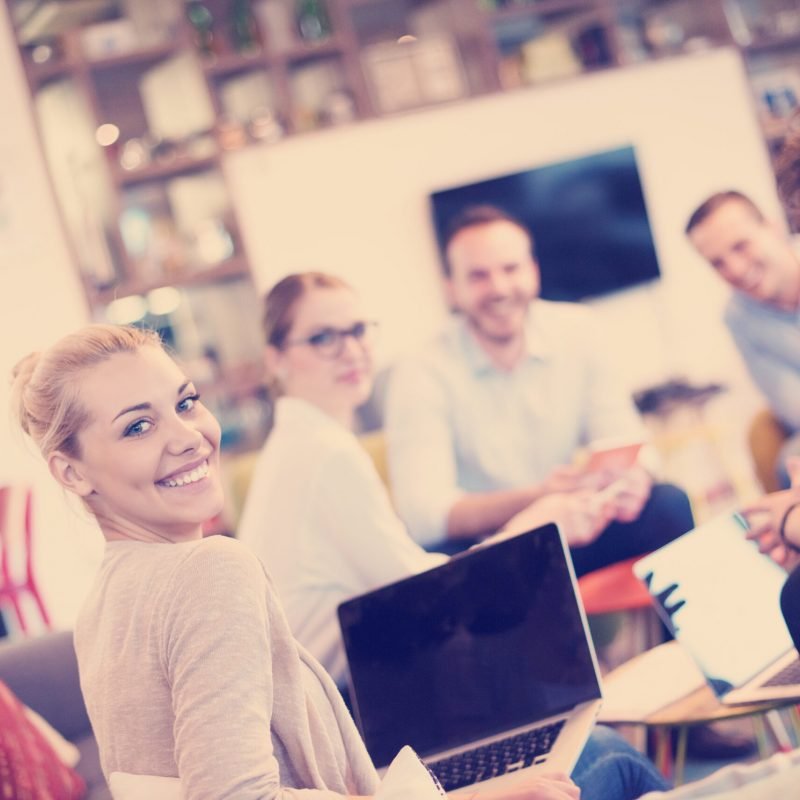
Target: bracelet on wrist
<point>795,548</point>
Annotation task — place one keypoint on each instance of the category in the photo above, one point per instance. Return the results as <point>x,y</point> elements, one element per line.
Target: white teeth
<point>190,477</point>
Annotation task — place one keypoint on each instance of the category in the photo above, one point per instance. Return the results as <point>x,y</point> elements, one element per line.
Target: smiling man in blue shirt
<point>759,261</point>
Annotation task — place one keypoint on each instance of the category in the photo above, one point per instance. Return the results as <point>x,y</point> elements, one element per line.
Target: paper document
<point>649,682</point>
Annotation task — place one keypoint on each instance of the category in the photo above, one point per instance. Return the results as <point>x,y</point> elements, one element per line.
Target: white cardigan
<point>320,519</point>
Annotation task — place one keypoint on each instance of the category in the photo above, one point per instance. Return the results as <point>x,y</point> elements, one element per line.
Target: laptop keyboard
<point>789,675</point>
<point>497,758</point>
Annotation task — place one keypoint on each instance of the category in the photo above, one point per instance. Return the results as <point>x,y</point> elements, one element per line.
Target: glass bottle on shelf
<point>202,22</point>
<point>242,27</point>
<point>313,21</point>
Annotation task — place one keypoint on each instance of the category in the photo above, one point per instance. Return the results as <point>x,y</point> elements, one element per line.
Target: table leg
<point>680,754</point>
<point>794,716</point>
<point>663,756</point>
<point>762,739</point>
<point>775,724</point>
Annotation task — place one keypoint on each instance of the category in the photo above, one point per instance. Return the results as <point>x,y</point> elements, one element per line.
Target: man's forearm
<point>479,514</point>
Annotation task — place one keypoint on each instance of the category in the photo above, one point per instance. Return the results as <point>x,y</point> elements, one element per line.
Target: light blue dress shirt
<point>769,341</point>
<point>457,424</point>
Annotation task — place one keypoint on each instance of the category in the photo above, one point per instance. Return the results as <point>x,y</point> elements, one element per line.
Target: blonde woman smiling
<point>187,664</point>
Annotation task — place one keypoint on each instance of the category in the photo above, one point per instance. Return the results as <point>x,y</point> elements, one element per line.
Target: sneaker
<point>707,742</point>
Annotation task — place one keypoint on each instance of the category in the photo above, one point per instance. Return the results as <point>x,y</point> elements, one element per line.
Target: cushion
<point>127,786</point>
<point>408,777</point>
<point>66,751</point>
<point>29,767</point>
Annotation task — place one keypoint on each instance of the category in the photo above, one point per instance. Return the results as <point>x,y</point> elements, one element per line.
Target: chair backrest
<point>237,472</point>
<point>374,443</point>
<point>16,531</point>
<point>42,672</point>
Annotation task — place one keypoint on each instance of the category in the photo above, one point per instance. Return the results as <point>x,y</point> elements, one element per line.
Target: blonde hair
<point>44,385</point>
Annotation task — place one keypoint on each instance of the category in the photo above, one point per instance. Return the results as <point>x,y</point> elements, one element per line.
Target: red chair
<point>16,553</point>
<point>615,590</point>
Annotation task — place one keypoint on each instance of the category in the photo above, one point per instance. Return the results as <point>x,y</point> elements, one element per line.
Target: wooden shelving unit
<point>372,57</point>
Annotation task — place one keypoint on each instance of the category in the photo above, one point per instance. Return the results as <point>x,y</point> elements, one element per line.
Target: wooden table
<point>693,703</point>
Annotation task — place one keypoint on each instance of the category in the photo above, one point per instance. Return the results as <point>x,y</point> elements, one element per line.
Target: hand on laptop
<point>556,786</point>
<point>582,516</point>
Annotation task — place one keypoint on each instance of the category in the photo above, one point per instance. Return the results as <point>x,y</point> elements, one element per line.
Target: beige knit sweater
<point>189,670</point>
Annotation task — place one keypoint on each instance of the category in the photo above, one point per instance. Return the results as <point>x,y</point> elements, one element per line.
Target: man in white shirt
<point>485,423</point>
<point>756,257</point>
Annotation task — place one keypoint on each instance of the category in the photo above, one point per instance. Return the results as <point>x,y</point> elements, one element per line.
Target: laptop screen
<point>720,597</point>
<point>491,640</point>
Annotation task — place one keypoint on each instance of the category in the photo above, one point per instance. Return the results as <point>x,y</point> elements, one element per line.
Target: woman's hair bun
<point>21,376</point>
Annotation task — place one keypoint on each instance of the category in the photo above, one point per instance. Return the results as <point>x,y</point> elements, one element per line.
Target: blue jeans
<point>610,769</point>
<point>665,516</point>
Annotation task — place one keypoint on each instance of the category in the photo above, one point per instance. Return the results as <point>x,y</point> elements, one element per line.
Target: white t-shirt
<point>321,521</point>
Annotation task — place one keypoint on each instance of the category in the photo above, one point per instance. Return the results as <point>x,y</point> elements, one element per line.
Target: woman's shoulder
<point>218,558</point>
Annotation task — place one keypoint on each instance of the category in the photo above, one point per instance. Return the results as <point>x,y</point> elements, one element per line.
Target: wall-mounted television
<point>588,217</point>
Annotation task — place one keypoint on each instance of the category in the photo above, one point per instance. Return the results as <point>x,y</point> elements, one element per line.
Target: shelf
<point>235,267</point>
<point>770,44</point>
<point>332,46</point>
<point>231,63</point>
<point>143,58</point>
<point>541,9</point>
<point>40,20</point>
<point>181,165</point>
<point>41,74</point>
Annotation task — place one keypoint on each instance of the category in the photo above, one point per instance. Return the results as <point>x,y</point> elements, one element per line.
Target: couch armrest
<point>43,673</point>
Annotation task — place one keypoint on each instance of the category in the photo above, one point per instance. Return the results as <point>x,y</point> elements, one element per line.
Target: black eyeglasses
<point>329,342</point>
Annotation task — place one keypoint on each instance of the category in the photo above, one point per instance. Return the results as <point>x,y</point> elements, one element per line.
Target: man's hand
<point>766,514</point>
<point>571,478</point>
<point>581,515</point>
<point>630,491</point>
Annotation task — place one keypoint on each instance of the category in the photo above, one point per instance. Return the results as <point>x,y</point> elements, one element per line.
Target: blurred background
<point>164,162</point>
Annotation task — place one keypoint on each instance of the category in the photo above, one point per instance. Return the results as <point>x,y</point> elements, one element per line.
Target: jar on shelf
<point>202,22</point>
<point>242,28</point>
<point>313,22</point>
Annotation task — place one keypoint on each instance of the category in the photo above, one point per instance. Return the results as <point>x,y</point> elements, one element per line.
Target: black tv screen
<point>588,217</point>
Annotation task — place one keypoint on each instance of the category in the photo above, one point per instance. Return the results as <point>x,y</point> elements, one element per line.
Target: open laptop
<point>720,598</point>
<point>484,665</point>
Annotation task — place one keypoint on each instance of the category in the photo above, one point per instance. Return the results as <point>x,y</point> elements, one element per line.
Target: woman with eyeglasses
<point>314,479</point>
<point>318,514</point>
